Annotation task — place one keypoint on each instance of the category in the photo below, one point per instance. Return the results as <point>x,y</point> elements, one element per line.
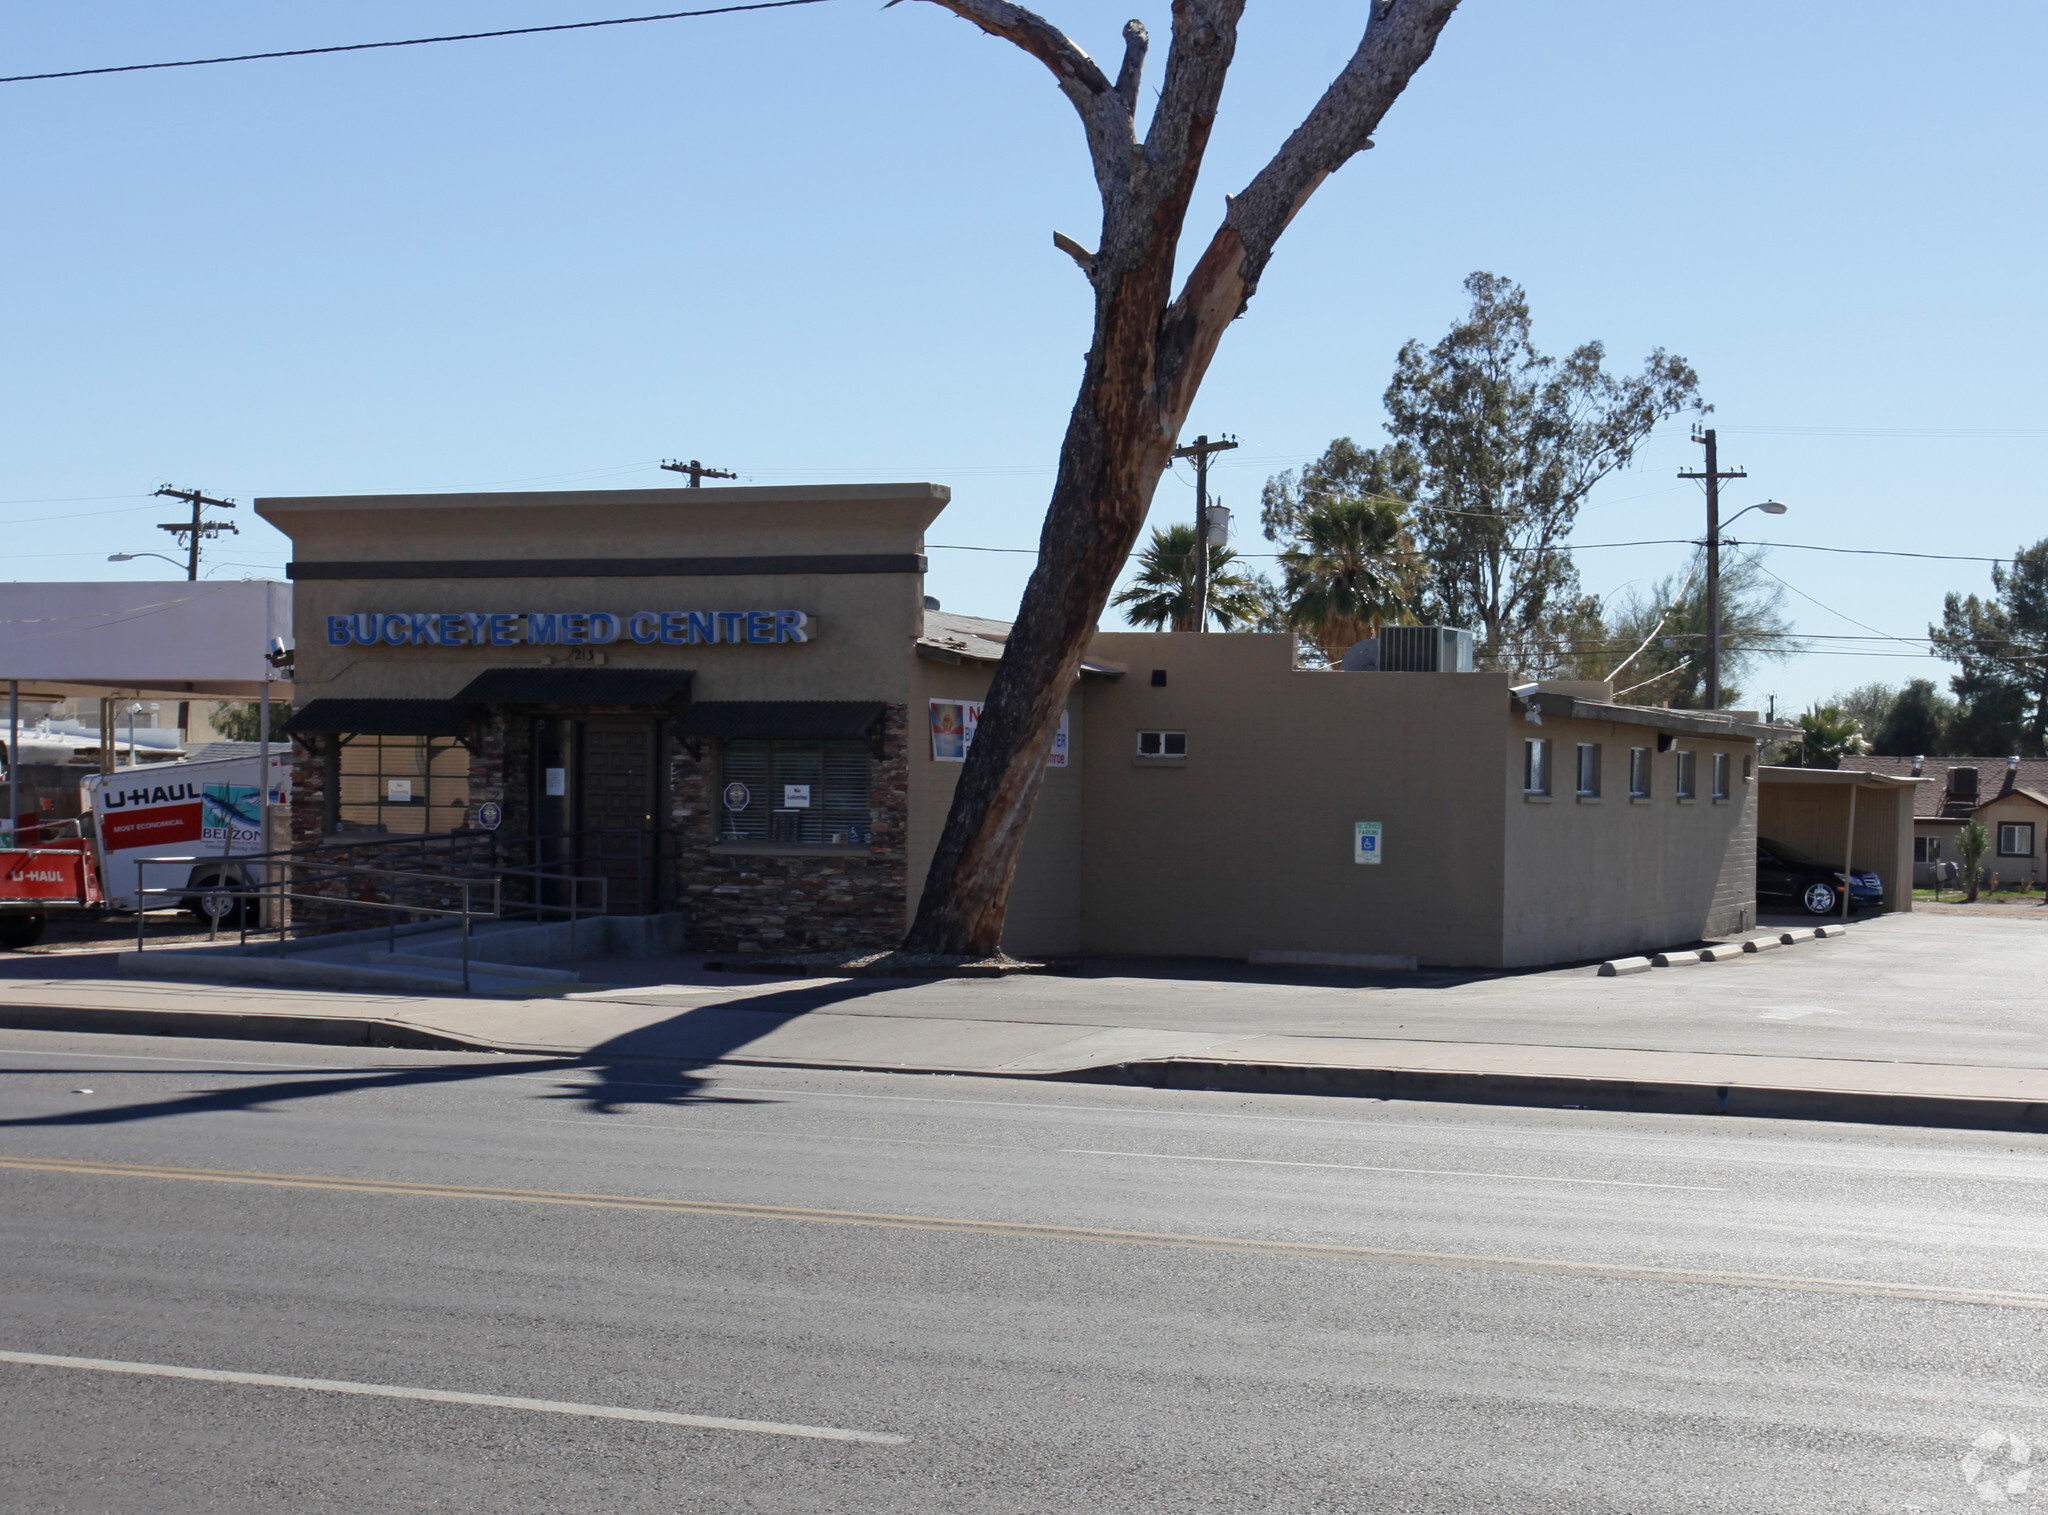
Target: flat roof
<point>531,499</point>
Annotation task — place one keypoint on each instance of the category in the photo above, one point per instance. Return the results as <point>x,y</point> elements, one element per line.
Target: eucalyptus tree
<point>1507,442</point>
<point>1150,349</point>
<point>1661,636</point>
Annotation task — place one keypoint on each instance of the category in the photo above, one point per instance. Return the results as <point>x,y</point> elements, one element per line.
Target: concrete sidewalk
<point>1904,1020</point>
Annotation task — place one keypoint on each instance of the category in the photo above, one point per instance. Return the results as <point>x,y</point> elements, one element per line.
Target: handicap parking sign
<point>1365,842</point>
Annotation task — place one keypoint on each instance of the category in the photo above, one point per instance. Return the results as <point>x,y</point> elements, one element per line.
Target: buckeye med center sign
<point>593,628</point>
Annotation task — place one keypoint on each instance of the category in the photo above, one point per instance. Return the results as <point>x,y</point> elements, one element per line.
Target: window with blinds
<point>404,785</point>
<point>802,794</point>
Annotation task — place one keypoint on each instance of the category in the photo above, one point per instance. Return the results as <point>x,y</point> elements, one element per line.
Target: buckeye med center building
<point>752,684</point>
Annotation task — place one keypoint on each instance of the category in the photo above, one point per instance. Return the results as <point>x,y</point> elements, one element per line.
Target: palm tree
<point>1163,594</point>
<point>1829,735</point>
<point>1350,568</point>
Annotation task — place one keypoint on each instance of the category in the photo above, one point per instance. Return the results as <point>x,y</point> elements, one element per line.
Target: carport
<point>1863,818</point>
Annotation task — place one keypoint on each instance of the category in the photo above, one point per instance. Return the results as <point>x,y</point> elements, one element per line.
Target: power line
<point>363,47</point>
<point>1757,563</point>
<point>1871,552</point>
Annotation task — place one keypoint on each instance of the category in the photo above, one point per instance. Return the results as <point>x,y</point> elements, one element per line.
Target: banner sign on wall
<point>953,724</point>
<point>588,628</point>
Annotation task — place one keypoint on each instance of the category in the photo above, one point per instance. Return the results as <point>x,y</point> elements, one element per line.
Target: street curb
<point>321,1030</point>
<point>1636,1096</point>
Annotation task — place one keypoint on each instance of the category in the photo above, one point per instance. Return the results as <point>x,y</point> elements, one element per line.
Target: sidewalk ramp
<point>505,957</point>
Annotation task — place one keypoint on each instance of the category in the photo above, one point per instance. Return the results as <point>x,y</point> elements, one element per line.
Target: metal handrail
<point>466,914</point>
<point>483,849</point>
<point>282,893</point>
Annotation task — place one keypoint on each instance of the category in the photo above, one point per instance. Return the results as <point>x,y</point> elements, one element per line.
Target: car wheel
<point>1820,899</point>
<point>21,930</point>
<point>223,911</point>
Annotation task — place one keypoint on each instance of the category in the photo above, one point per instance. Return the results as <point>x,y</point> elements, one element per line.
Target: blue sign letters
<point>585,628</point>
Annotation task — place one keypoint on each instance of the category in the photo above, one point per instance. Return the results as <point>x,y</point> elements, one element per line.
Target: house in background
<point>2009,795</point>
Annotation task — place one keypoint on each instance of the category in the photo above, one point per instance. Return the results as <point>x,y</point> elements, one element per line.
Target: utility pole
<point>698,472</point>
<point>190,532</point>
<point>197,529</point>
<point>1200,451</point>
<point>1713,474</point>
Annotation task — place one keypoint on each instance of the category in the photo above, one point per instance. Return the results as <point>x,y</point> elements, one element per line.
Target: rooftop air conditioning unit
<point>1425,649</point>
<point>1962,783</point>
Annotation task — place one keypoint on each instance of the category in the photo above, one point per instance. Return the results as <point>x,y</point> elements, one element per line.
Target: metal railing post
<point>465,936</point>
<point>141,897</point>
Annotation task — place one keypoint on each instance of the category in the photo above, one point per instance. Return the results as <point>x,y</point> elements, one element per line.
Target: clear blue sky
<point>816,245</point>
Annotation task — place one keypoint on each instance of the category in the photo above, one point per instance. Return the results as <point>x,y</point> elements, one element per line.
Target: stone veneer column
<point>309,789</point>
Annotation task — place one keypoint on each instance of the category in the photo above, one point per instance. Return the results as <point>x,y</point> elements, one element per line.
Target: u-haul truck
<point>211,812</point>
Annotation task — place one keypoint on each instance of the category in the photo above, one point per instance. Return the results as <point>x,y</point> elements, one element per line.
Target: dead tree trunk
<point>1150,352</point>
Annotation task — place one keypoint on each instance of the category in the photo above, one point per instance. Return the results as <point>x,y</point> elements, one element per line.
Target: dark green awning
<point>382,717</point>
<point>578,686</point>
<point>791,720</point>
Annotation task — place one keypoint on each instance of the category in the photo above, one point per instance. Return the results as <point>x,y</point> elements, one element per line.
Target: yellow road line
<point>1029,1231</point>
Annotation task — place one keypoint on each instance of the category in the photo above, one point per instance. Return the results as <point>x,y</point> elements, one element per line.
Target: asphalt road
<point>1059,1297</point>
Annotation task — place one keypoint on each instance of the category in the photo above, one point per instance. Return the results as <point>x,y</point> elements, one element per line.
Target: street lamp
<point>1769,508</point>
<point>129,557</point>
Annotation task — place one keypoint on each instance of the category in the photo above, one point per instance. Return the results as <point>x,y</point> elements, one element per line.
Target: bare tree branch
<point>1398,40</point>
<point>1104,115</point>
<point>1136,41</point>
<point>1076,251</point>
<point>1036,35</point>
<point>1399,37</point>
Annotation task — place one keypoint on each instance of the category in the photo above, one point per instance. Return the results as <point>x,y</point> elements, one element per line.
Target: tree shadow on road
<point>656,1065</point>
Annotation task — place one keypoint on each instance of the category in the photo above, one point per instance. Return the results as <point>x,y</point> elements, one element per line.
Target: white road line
<point>1267,1162</point>
<point>450,1397</point>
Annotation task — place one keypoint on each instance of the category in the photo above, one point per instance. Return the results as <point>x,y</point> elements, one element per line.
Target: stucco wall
<point>1045,898</point>
<point>1615,875</point>
<point>1247,845</point>
<point>863,622</point>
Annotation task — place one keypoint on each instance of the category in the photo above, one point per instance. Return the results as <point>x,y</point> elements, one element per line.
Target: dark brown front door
<point>618,793</point>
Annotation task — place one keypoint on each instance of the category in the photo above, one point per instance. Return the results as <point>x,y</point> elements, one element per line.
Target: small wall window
<point>2015,838</point>
<point>1639,773</point>
<point>401,785</point>
<point>1154,744</point>
<point>1685,775</point>
<point>1536,765</point>
<point>1926,849</point>
<point>1589,770</point>
<point>802,794</point>
<point>1720,775</point>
